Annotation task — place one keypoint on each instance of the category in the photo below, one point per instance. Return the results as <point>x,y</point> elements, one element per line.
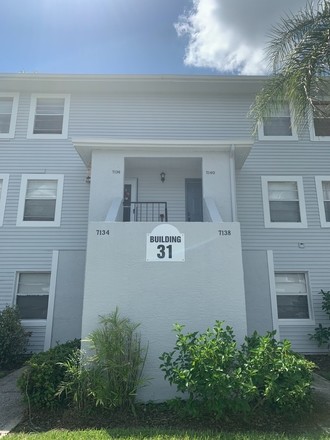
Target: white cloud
<point>230,35</point>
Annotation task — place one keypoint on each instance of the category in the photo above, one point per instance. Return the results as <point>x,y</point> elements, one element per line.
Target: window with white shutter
<point>284,203</point>
<point>32,294</point>
<point>49,116</point>
<point>323,196</point>
<point>40,200</point>
<point>8,114</point>
<point>4,178</point>
<point>278,126</point>
<point>321,120</point>
<point>292,295</point>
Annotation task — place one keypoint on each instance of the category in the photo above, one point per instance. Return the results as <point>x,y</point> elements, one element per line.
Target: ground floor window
<point>292,296</point>
<point>32,294</point>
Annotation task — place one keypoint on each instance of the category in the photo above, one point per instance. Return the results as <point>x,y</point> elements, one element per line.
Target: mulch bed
<point>162,416</point>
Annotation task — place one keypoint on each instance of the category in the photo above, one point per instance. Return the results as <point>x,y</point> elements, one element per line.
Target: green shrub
<point>322,334</point>
<point>220,379</point>
<point>13,339</point>
<point>282,379</point>
<point>112,375</point>
<point>40,381</point>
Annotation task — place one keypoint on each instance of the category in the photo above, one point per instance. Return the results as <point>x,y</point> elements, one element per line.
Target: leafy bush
<point>112,375</point>
<point>322,334</point>
<point>13,339</point>
<point>220,379</point>
<point>40,381</point>
<point>281,378</point>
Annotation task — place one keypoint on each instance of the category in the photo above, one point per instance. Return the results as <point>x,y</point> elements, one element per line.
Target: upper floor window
<point>49,116</point>
<point>323,196</point>
<point>284,202</point>
<point>292,295</point>
<point>278,126</point>
<point>3,194</point>
<point>320,128</point>
<point>8,114</point>
<point>40,200</point>
<point>32,294</point>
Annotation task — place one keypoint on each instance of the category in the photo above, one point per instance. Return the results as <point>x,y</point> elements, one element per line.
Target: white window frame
<point>58,207</point>
<point>13,119</point>
<point>3,195</point>
<point>294,134</point>
<point>313,135</point>
<point>39,321</point>
<point>319,191</point>
<point>301,198</point>
<point>297,321</point>
<point>65,125</point>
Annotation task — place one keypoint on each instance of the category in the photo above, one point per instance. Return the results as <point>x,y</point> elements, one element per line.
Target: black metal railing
<point>146,212</point>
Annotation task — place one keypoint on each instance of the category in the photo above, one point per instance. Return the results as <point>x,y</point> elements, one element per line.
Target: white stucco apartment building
<point>150,193</point>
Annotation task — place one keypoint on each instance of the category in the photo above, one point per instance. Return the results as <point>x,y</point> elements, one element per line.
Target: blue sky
<point>136,36</point>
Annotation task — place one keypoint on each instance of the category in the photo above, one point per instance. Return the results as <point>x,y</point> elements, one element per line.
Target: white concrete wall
<point>207,286</point>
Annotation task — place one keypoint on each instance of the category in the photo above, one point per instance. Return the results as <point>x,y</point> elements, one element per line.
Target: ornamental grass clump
<point>109,372</point>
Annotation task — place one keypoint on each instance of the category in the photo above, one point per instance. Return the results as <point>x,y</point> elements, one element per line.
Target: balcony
<point>145,212</point>
<point>121,211</point>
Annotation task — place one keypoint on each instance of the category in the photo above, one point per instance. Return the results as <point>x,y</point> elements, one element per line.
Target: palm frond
<point>299,53</point>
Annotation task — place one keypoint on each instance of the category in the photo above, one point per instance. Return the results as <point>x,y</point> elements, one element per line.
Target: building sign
<point>165,243</point>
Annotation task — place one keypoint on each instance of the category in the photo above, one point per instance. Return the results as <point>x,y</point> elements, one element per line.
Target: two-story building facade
<point>150,193</point>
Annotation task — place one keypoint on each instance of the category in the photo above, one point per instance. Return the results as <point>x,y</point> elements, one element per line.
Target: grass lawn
<point>158,434</point>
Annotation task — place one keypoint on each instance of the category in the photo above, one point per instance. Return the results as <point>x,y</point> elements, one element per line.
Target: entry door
<point>194,200</point>
<point>130,195</point>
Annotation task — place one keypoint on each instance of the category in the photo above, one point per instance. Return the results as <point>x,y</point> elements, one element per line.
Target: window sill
<point>281,225</point>
<point>38,224</point>
<point>47,136</point>
<point>34,322</point>
<point>296,322</point>
<point>278,138</point>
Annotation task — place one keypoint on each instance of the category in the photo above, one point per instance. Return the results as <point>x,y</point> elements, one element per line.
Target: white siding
<point>305,250</point>
<point>160,115</point>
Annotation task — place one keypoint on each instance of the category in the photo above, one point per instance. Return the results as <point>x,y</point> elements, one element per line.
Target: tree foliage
<point>299,57</point>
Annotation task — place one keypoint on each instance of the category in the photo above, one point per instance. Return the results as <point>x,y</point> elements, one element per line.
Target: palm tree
<point>299,56</point>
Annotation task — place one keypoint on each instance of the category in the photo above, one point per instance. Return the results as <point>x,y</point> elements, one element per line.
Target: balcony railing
<point>145,212</point>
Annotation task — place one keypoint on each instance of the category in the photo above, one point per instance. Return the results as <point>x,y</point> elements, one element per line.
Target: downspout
<point>232,183</point>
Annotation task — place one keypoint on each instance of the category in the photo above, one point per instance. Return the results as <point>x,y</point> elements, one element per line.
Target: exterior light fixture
<point>162,177</point>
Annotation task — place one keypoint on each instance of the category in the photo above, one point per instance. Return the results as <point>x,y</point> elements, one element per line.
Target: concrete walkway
<point>11,406</point>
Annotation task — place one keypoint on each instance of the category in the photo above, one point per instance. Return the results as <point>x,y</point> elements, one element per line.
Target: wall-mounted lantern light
<point>162,177</point>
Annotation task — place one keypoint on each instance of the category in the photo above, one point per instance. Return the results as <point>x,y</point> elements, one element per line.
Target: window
<point>40,200</point>
<point>293,302</point>
<point>49,116</point>
<point>323,196</point>
<point>284,203</point>
<point>8,114</point>
<point>3,194</point>
<point>32,294</point>
<point>320,129</point>
<point>278,126</point>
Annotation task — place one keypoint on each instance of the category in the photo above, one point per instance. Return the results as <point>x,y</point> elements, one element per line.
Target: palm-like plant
<point>299,56</point>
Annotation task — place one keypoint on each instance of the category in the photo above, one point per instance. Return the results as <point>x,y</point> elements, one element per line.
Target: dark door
<point>127,202</point>
<point>194,200</point>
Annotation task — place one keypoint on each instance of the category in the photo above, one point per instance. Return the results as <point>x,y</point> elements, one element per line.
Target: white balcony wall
<point>205,287</point>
